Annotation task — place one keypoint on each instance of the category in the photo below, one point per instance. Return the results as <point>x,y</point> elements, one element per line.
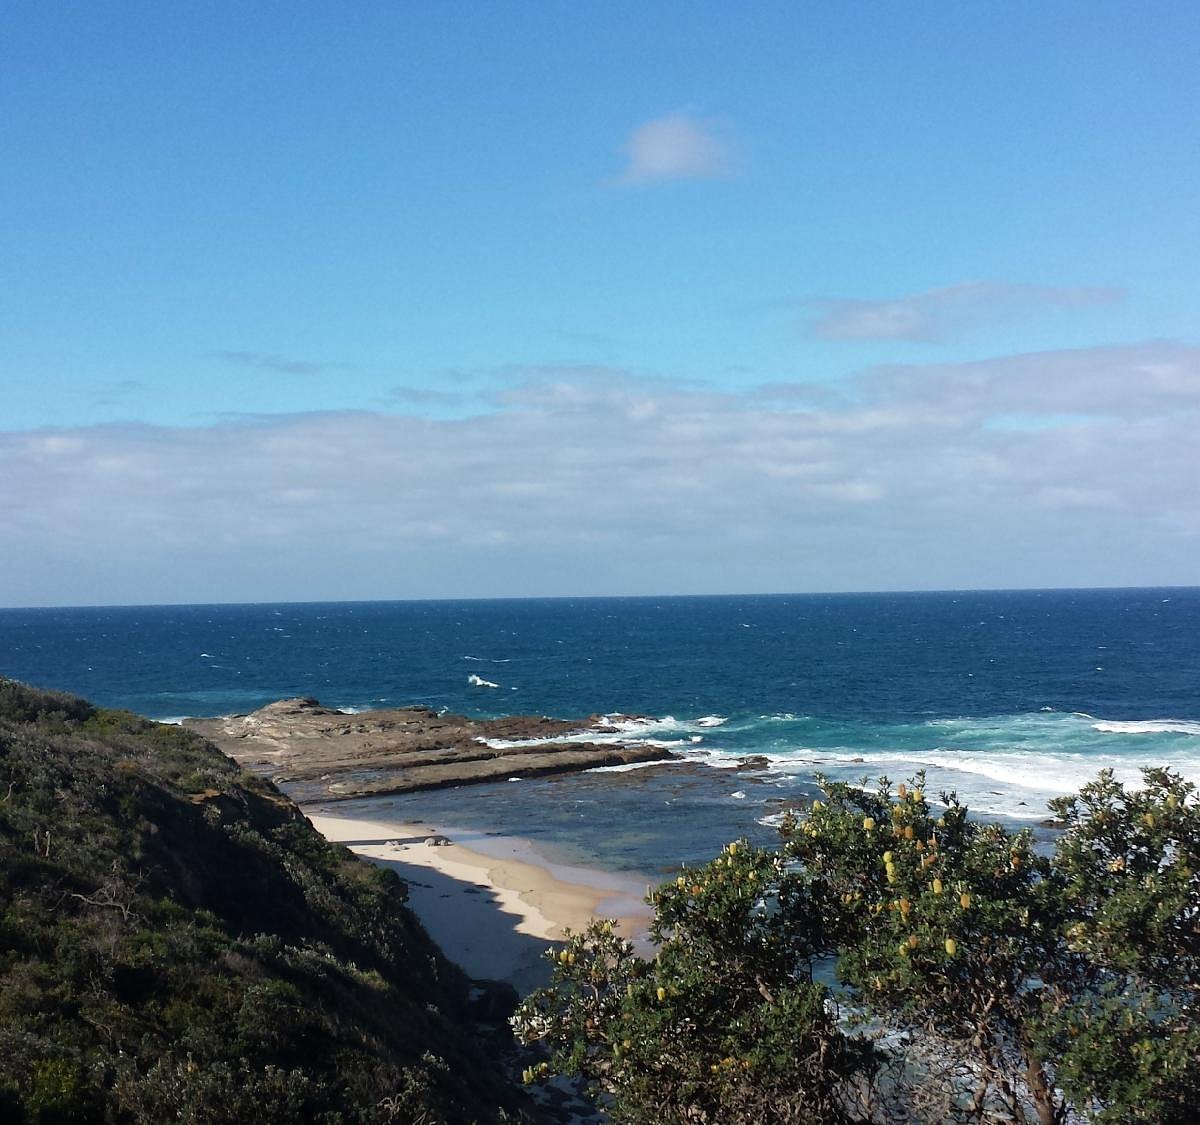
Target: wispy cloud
<point>115,393</point>
<point>277,364</point>
<point>675,147</point>
<point>939,314</point>
<point>594,480</point>
<point>427,396</point>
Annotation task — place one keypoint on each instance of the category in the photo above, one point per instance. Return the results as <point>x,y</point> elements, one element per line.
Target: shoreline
<point>492,903</point>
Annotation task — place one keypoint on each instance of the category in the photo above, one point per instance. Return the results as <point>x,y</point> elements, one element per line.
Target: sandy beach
<point>492,903</point>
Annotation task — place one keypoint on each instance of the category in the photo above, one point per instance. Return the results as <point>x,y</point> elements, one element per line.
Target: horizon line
<point>603,597</point>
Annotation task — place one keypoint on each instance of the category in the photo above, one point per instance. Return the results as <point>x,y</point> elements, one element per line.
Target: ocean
<point>1007,698</point>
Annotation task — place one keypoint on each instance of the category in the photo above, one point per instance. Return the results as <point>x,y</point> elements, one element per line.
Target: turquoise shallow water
<point>1006,697</point>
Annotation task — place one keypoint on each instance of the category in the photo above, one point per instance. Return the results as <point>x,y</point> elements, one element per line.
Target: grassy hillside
<point>177,943</point>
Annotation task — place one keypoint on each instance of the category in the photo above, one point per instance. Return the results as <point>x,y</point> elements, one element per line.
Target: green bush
<point>178,943</point>
<point>979,978</point>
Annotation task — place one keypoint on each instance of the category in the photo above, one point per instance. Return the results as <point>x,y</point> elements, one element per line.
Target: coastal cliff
<point>177,942</point>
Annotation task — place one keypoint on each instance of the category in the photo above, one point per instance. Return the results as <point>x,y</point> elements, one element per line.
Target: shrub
<point>979,977</point>
<point>178,943</point>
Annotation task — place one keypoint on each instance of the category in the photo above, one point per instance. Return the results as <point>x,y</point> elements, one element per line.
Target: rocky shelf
<point>319,753</point>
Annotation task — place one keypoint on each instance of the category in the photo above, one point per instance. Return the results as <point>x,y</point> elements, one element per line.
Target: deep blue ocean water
<point>1006,697</point>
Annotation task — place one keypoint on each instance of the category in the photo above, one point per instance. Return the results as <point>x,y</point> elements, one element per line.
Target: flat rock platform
<point>319,753</point>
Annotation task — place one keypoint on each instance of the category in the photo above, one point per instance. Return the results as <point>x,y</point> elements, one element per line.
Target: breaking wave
<point>1003,765</point>
<point>1149,726</point>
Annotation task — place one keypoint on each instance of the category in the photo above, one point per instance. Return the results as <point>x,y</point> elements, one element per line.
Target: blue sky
<point>526,243</point>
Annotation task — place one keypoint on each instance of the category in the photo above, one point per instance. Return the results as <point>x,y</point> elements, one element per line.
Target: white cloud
<point>675,147</point>
<point>941,313</point>
<point>1122,382</point>
<point>594,481</point>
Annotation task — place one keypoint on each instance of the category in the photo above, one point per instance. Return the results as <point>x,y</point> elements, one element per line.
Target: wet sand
<point>492,903</point>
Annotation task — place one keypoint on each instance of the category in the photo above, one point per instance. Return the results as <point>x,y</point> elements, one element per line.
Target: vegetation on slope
<point>981,979</point>
<point>178,943</point>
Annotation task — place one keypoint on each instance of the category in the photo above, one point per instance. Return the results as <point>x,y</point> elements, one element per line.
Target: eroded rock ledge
<point>319,753</point>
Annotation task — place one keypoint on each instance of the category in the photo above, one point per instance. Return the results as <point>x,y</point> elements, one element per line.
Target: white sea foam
<point>715,758</point>
<point>514,743</point>
<point>774,820</point>
<point>644,724</point>
<point>479,681</point>
<point>588,737</point>
<point>584,735</point>
<point>1004,765</point>
<point>626,767</point>
<point>1007,765</point>
<point>1015,783</point>
<point>1149,726</point>
<point>640,724</point>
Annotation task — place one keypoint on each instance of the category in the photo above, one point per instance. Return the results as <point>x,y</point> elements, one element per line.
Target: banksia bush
<point>979,977</point>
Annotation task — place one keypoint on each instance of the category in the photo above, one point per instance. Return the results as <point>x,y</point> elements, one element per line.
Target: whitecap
<point>479,681</point>
<point>711,721</point>
<point>1150,726</point>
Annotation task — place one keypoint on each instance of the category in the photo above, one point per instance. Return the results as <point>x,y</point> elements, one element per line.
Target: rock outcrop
<point>319,753</point>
